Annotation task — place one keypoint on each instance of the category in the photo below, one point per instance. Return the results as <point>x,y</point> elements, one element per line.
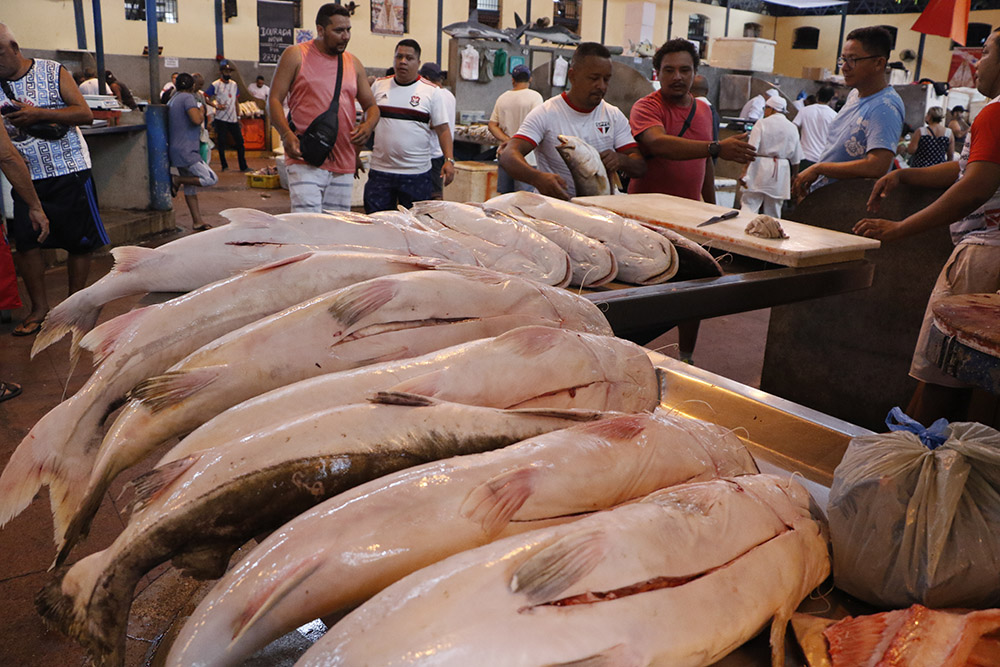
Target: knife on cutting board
<point>719,218</point>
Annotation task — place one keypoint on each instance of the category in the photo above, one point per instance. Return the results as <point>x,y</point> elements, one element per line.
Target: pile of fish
<point>396,421</point>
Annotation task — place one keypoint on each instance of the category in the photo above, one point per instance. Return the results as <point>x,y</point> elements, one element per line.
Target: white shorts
<point>313,190</point>
<point>202,172</point>
<point>971,269</point>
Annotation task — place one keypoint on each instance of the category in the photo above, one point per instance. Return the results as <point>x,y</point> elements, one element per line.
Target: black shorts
<point>70,203</point>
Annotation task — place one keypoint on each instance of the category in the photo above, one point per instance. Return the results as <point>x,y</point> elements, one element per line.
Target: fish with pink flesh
<point>350,547</point>
<point>250,239</point>
<point>502,245</point>
<point>529,367</point>
<point>644,257</point>
<point>60,448</point>
<point>377,320</point>
<point>681,578</point>
<point>198,510</point>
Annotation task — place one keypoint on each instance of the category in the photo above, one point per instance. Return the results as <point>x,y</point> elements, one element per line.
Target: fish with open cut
<point>350,547</point>
<point>681,578</point>
<point>200,509</point>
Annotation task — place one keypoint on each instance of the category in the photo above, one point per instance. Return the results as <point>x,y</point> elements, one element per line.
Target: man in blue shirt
<point>863,137</point>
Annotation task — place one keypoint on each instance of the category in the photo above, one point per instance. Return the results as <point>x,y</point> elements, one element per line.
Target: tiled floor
<point>731,346</point>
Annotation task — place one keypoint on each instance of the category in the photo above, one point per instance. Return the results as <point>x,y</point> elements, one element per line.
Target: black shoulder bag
<point>47,131</point>
<point>690,117</point>
<point>317,141</point>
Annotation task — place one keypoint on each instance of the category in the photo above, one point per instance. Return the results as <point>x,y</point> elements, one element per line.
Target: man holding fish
<point>581,112</point>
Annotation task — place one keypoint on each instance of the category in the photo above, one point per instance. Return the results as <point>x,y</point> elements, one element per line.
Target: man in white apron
<point>768,178</point>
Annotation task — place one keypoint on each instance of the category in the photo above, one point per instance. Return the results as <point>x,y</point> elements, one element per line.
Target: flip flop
<point>27,328</point>
<point>201,228</point>
<point>9,390</point>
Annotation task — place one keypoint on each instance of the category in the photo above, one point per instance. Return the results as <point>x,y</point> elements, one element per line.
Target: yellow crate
<point>265,181</point>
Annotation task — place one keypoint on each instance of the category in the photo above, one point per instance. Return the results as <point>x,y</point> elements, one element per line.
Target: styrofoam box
<point>743,53</point>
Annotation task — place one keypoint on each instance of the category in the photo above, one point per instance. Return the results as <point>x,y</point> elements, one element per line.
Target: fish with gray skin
<point>644,257</point>
<point>59,450</point>
<point>585,165</point>
<point>681,578</point>
<point>502,245</point>
<point>200,509</point>
<point>394,317</point>
<point>307,568</point>
<point>555,34</point>
<point>473,29</point>
<point>250,239</point>
<point>529,367</point>
<point>693,261</point>
<point>592,262</point>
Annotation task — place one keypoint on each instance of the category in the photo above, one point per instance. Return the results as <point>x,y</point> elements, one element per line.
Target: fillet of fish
<point>644,257</point>
<point>503,245</point>
<point>376,320</point>
<point>198,510</point>
<point>681,578</point>
<point>250,239</point>
<point>529,367</point>
<point>59,449</point>
<point>590,177</point>
<point>350,547</point>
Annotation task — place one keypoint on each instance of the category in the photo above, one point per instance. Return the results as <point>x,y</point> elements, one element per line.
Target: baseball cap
<point>431,71</point>
<point>777,103</point>
<point>521,69</point>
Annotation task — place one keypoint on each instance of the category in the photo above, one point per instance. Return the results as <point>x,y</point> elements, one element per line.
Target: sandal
<point>27,328</point>
<point>9,390</point>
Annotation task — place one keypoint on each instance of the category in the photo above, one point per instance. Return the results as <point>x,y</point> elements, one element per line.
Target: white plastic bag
<point>470,63</point>
<point>911,524</point>
<point>560,69</point>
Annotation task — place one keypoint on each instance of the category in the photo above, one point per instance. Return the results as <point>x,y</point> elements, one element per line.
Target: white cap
<point>772,92</point>
<point>776,103</point>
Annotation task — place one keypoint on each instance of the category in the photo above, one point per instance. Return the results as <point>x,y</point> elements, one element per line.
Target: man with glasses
<point>863,137</point>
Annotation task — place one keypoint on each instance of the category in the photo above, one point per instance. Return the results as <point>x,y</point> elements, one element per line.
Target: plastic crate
<point>265,181</point>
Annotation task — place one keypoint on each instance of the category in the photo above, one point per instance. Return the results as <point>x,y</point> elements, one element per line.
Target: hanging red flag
<point>948,18</point>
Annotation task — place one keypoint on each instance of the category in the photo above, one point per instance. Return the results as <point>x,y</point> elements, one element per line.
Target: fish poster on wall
<point>390,17</point>
<point>276,25</point>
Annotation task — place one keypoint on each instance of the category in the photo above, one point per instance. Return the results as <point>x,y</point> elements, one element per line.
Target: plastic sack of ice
<point>915,516</point>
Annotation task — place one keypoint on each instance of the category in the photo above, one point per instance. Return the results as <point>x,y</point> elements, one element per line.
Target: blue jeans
<point>385,191</point>
<point>505,183</point>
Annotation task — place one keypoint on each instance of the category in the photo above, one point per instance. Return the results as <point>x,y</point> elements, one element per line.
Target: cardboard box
<point>743,53</point>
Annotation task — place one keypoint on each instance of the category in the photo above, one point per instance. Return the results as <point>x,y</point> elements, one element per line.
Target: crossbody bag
<point>319,138</point>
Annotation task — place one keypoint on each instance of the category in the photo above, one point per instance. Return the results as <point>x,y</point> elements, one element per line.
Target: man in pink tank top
<point>307,76</point>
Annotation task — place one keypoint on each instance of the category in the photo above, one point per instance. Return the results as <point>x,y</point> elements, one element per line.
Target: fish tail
<point>75,315</point>
<point>66,494</point>
<point>72,529</point>
<point>80,603</point>
<point>101,341</point>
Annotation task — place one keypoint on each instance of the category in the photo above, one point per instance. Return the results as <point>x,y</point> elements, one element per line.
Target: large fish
<point>376,320</point>
<point>590,177</point>
<point>473,29</point>
<point>681,578</point>
<point>502,245</point>
<point>592,261</point>
<point>693,261</point>
<point>200,509</point>
<point>529,367</point>
<point>644,257</point>
<point>313,565</point>
<point>555,34</point>
<point>250,239</point>
<point>59,450</point>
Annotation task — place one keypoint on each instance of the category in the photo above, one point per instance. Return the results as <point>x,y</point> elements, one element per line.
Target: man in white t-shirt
<point>581,112</point>
<point>412,111</point>
<point>224,94</point>
<point>814,126</point>
<point>433,74</point>
<point>258,89</point>
<point>754,108</point>
<point>769,177</point>
<point>509,112</point>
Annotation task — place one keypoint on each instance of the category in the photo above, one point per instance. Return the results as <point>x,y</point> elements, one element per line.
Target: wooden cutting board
<point>805,246</point>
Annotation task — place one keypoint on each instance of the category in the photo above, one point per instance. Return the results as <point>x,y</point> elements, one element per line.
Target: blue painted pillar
<point>220,51</point>
<point>156,150</point>
<point>81,26</point>
<point>102,86</point>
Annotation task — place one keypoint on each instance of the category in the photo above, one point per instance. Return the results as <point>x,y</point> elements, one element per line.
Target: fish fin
<point>163,391</point>
<point>402,398</point>
<point>205,561</point>
<point>571,414</point>
<point>558,566</point>
<point>779,627</point>
<point>278,263</point>
<point>151,484</point>
<point>259,605</point>
<point>71,316</point>
<point>101,341</point>
<point>358,301</point>
<point>248,218</point>
<point>66,493</point>
<point>128,257</point>
<point>625,427</point>
<point>618,655</point>
<point>427,384</point>
<point>418,262</point>
<point>494,503</point>
<point>532,341</point>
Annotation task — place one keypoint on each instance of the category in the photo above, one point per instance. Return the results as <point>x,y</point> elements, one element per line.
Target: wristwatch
<point>713,149</point>
<point>450,159</point>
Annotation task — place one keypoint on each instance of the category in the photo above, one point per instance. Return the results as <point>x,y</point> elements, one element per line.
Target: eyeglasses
<point>852,61</point>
